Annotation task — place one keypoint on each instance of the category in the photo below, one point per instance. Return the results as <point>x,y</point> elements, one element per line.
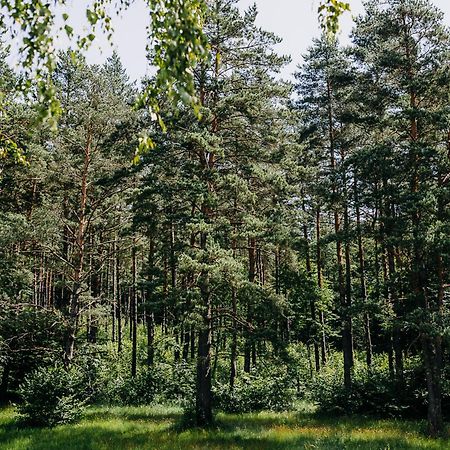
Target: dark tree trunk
<point>114,290</point>
<point>347,349</point>
<point>432,355</point>
<point>323,341</point>
<point>149,316</point>
<point>4,384</point>
<point>233,352</point>
<point>133,312</point>
<point>248,353</point>
<point>312,304</point>
<point>362,277</point>
<point>204,415</point>
<point>119,307</point>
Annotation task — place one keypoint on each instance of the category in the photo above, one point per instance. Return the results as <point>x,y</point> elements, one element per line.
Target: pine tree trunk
<point>119,306</point>
<point>149,316</point>
<point>323,342</point>
<point>312,304</point>
<point>203,392</point>
<point>114,289</point>
<point>78,264</point>
<point>248,347</point>
<point>362,277</point>
<point>347,349</point>
<point>347,331</point>
<point>133,312</point>
<point>233,352</point>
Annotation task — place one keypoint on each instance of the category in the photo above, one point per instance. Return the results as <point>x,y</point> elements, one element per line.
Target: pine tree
<point>403,47</point>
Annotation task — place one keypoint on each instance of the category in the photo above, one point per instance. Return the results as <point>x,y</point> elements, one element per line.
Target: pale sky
<point>293,20</point>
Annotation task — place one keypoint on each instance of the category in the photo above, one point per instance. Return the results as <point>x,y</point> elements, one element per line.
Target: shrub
<point>373,392</point>
<point>140,390</point>
<point>50,396</point>
<point>30,337</point>
<point>255,392</point>
<point>161,383</point>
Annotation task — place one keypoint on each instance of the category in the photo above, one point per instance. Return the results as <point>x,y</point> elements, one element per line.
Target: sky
<point>295,21</point>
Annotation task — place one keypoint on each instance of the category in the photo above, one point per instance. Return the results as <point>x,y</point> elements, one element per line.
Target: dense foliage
<point>50,396</point>
<point>282,242</point>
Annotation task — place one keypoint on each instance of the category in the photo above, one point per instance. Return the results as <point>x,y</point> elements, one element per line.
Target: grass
<point>158,427</point>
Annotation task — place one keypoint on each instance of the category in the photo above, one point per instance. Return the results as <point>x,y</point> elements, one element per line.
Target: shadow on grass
<point>258,421</point>
<point>158,429</point>
<point>100,438</point>
<point>133,414</point>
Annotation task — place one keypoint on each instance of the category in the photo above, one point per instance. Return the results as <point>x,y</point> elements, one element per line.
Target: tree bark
<point>78,259</point>
<point>133,311</point>
<point>204,414</point>
<point>312,304</point>
<point>323,342</point>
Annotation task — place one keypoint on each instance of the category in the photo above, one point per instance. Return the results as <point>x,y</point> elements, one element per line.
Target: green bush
<point>162,383</point>
<point>255,392</point>
<point>30,337</point>
<point>373,392</point>
<point>140,390</point>
<point>50,396</point>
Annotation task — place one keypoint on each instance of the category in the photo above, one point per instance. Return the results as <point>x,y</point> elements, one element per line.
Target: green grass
<point>159,427</point>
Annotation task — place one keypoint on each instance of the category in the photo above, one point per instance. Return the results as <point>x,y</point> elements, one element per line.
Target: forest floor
<point>158,427</point>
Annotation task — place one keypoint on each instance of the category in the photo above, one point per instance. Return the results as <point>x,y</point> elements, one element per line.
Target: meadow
<point>162,428</point>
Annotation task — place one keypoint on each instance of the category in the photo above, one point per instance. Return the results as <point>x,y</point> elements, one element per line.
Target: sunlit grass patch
<point>157,427</point>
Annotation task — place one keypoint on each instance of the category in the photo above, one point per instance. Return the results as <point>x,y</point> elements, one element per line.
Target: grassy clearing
<point>158,428</point>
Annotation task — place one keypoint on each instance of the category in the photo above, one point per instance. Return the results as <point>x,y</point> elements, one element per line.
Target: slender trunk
<point>78,260</point>
<point>346,330</point>
<point>114,289</point>
<point>348,325</point>
<point>133,311</point>
<point>323,341</point>
<point>233,354</point>
<point>233,350</point>
<point>149,317</point>
<point>119,305</point>
<point>96,291</point>
<point>203,392</point>
<point>248,347</point>
<point>433,344</point>
<point>362,277</point>
<point>192,344</point>
<point>312,303</point>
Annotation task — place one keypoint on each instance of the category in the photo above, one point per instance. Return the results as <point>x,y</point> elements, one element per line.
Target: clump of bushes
<point>373,392</point>
<point>255,392</point>
<point>162,383</point>
<point>51,396</point>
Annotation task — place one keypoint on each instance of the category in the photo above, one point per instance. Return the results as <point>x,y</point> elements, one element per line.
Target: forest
<point>269,267</point>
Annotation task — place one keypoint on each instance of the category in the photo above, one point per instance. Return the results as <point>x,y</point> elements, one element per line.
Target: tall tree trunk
<point>362,278</point>
<point>233,352</point>
<point>114,289</point>
<point>433,353</point>
<point>233,349</point>
<point>133,311</point>
<point>203,392</point>
<point>251,277</point>
<point>119,306</point>
<point>78,259</point>
<point>149,316</point>
<point>312,304</point>
<point>347,347</point>
<point>323,341</point>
